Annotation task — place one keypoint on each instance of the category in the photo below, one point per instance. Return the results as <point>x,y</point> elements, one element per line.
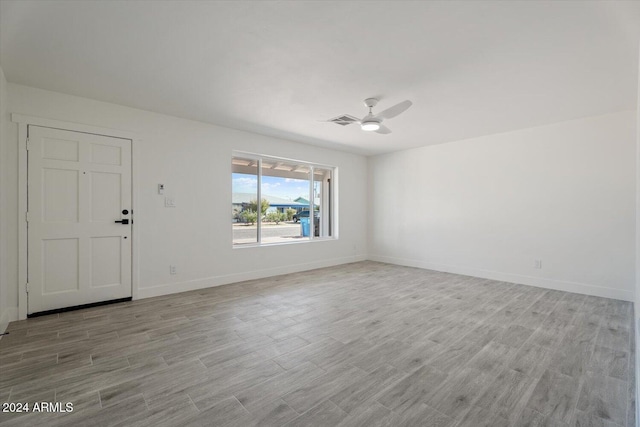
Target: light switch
<point>169,202</point>
<point>160,188</point>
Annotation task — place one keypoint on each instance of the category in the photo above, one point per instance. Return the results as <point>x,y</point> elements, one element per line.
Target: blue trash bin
<point>304,223</point>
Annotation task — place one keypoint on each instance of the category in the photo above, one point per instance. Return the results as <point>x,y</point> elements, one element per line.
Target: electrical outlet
<point>169,202</point>
<point>172,270</point>
<point>537,264</point>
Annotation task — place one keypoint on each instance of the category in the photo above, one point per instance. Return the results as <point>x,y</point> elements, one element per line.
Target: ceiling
<point>281,68</point>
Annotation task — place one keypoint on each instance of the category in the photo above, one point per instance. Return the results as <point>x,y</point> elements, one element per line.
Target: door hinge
<point>27,143</point>
<point>26,216</point>
<point>26,287</point>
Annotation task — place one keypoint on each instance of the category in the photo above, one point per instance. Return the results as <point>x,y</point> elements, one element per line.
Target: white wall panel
<point>193,160</point>
<point>563,194</point>
<point>8,272</point>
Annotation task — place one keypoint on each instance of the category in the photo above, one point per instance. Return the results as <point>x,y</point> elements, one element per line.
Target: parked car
<point>305,214</point>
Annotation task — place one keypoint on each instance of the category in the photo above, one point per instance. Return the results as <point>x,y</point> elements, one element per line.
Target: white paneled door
<point>78,220</point>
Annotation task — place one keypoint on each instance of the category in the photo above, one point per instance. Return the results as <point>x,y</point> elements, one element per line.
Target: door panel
<point>106,197</point>
<point>60,195</point>
<point>60,265</point>
<point>105,154</point>
<point>106,261</point>
<point>60,149</point>
<point>78,186</point>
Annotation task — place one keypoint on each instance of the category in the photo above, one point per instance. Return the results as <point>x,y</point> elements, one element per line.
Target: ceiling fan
<point>373,122</point>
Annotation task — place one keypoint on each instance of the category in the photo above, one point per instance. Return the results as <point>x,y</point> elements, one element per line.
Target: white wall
<point>193,160</point>
<point>7,309</point>
<point>636,305</point>
<point>490,206</point>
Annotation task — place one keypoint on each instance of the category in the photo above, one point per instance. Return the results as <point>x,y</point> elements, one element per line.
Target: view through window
<point>278,201</point>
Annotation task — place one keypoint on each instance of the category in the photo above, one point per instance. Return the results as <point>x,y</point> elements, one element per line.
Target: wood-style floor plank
<point>363,344</point>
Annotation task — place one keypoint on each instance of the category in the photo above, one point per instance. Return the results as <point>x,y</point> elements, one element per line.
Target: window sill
<point>298,242</point>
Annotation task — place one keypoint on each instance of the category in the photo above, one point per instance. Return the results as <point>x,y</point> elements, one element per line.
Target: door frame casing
<point>23,122</point>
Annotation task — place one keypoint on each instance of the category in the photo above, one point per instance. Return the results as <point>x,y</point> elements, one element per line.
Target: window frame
<point>332,198</point>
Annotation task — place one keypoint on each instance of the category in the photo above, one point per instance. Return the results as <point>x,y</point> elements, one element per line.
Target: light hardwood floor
<point>363,344</point>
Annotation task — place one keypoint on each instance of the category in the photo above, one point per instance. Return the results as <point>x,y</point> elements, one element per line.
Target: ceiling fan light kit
<point>370,126</point>
<point>373,122</point>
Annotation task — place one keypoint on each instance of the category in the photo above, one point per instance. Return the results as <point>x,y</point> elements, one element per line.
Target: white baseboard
<point>9,315</point>
<point>209,282</point>
<point>559,285</point>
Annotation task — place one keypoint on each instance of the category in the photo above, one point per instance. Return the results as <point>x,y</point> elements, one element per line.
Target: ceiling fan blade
<point>395,110</point>
<point>383,129</point>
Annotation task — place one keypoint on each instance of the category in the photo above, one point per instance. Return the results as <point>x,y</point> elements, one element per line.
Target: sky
<point>286,188</point>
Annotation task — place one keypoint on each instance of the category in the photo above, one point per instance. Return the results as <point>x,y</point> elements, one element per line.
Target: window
<point>280,201</point>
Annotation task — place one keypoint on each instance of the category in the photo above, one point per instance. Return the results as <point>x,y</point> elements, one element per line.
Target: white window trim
<point>333,200</point>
